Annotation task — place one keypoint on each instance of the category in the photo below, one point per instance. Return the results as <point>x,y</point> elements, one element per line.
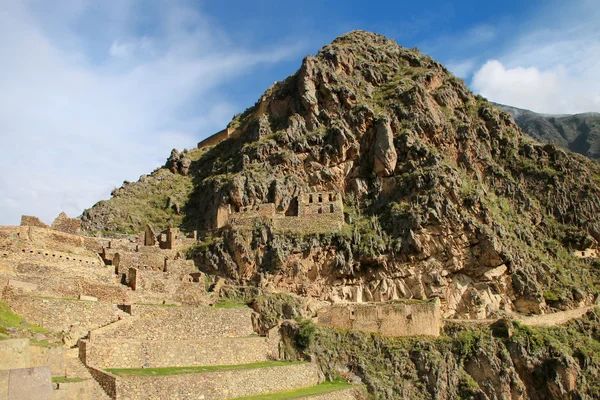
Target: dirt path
<point>557,318</point>
<point>553,319</point>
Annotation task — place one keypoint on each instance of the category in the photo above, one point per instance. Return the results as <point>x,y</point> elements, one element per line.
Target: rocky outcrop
<point>384,152</point>
<point>178,163</point>
<point>470,362</point>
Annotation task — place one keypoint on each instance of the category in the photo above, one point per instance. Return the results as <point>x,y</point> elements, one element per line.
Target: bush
<point>305,334</point>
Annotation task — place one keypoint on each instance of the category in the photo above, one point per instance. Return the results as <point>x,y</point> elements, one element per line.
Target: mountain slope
<point>579,133</point>
<point>443,194</point>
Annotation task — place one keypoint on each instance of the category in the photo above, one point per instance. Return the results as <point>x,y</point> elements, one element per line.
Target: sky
<point>95,92</point>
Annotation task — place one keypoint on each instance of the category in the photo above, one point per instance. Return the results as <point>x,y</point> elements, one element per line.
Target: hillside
<point>579,133</point>
<point>443,195</point>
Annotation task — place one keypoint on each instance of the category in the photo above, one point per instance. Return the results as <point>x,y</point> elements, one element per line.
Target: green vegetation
<point>325,387</point>
<point>8,319</point>
<point>197,370</point>
<point>64,379</point>
<point>397,366</point>
<point>139,203</point>
<point>229,303</point>
<point>305,334</point>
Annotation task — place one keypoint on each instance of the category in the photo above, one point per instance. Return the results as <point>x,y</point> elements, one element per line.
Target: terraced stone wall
<point>181,323</point>
<point>124,353</point>
<point>106,380</point>
<point>15,237</point>
<point>388,319</point>
<point>218,385</point>
<point>60,314</point>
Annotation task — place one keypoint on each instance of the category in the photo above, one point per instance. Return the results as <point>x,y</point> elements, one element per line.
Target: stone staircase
<point>85,389</point>
<point>185,352</point>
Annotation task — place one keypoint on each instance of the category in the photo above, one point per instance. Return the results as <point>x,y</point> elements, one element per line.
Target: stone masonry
<point>317,212</point>
<point>388,319</point>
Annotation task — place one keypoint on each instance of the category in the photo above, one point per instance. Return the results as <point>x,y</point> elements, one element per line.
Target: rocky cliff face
<point>502,362</point>
<point>444,196</point>
<point>579,133</point>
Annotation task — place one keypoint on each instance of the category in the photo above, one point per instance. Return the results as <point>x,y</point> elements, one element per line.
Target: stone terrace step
<point>324,391</point>
<point>154,322</point>
<point>126,353</point>
<point>218,384</point>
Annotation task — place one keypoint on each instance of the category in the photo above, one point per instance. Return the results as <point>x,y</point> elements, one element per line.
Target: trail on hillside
<point>552,319</point>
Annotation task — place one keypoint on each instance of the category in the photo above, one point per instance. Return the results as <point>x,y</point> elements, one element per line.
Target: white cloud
<point>86,103</point>
<point>462,69</point>
<point>523,87</point>
<point>551,65</point>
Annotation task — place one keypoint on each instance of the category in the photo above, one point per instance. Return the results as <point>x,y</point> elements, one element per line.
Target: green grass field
<point>326,387</point>
<point>64,379</point>
<point>9,319</point>
<point>229,303</point>
<point>196,370</point>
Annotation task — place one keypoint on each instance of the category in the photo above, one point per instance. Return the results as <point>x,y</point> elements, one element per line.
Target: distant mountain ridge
<point>579,133</point>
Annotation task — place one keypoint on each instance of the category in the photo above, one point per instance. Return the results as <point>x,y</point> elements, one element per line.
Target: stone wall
<point>150,258</point>
<point>52,357</point>
<point>129,353</point>
<point>18,237</point>
<point>14,353</point>
<point>65,224</point>
<point>317,212</point>
<point>70,261</point>
<point>19,353</point>
<point>106,380</point>
<point>321,203</point>
<point>85,390</point>
<point>218,385</point>
<point>162,282</point>
<point>59,314</point>
<point>180,323</point>
<point>28,220</point>
<point>215,139</point>
<point>174,239</point>
<point>26,384</point>
<point>587,253</point>
<point>388,319</point>
<point>309,224</point>
<point>63,282</point>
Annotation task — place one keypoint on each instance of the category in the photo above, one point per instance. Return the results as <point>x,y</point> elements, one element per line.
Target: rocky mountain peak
<point>443,195</point>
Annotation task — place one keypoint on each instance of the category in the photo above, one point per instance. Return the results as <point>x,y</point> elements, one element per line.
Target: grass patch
<point>197,370</point>
<point>325,387</point>
<point>230,303</point>
<point>64,379</point>
<point>8,319</point>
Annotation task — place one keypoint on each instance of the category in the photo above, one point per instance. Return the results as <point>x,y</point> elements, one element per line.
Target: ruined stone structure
<point>587,253</point>
<point>128,303</point>
<point>216,138</point>
<point>65,224</point>
<point>28,220</point>
<point>388,319</point>
<point>317,212</point>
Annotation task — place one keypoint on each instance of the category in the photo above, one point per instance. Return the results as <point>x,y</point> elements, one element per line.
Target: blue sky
<point>94,92</point>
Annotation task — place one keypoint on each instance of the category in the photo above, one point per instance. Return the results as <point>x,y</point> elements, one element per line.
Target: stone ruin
<point>388,319</point>
<point>138,303</point>
<point>62,223</point>
<point>317,211</point>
